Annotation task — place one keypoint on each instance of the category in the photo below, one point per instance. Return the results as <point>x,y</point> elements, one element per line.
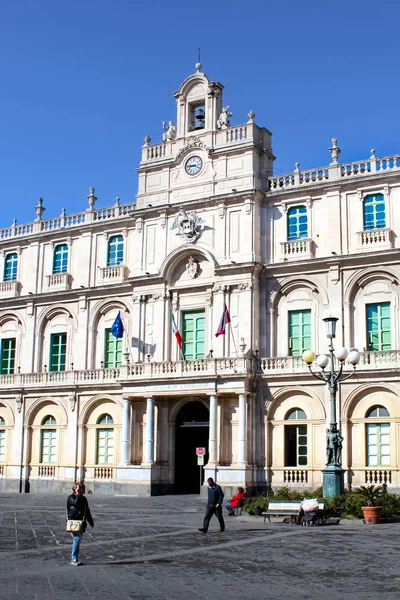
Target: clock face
<point>193,165</point>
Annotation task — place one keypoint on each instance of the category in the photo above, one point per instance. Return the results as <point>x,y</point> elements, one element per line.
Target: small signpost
<point>200,452</point>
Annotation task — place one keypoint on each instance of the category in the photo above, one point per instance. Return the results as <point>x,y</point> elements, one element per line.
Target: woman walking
<point>78,510</point>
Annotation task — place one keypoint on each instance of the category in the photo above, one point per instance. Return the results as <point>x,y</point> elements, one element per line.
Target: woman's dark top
<point>78,509</point>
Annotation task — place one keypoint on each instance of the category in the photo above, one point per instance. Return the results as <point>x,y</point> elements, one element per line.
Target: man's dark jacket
<point>78,509</point>
<point>215,495</point>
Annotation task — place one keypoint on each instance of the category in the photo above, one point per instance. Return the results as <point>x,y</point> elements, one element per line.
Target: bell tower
<point>199,103</point>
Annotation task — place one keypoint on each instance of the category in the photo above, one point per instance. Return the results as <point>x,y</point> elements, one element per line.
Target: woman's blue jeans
<point>76,541</point>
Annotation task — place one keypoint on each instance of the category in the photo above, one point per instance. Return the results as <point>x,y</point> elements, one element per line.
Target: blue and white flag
<point>117,328</point>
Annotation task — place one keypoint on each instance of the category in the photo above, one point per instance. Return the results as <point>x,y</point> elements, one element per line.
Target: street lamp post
<point>333,474</point>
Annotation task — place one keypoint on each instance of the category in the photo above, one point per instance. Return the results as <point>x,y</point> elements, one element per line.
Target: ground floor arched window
<point>48,450</point>
<point>296,439</point>
<point>105,440</point>
<point>378,438</point>
<point>2,440</point>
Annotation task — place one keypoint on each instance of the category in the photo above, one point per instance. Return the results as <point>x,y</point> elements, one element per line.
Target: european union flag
<point>117,328</point>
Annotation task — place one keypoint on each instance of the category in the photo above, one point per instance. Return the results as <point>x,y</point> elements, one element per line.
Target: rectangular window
<point>299,331</point>
<point>297,223</point>
<point>49,437</point>
<point>374,211</point>
<point>105,446</point>
<point>378,445</point>
<point>7,356</point>
<point>10,267</point>
<point>60,259</point>
<point>2,445</point>
<point>112,350</point>
<point>58,351</point>
<point>378,327</point>
<point>295,445</point>
<point>193,334</point>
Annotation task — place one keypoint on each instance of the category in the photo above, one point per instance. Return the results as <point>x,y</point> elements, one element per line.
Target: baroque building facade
<point>211,226</point>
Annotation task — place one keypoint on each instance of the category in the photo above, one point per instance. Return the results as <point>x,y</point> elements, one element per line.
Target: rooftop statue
<point>223,121</point>
<point>170,131</point>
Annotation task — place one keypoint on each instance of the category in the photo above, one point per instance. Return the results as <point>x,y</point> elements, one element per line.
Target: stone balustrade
<point>9,289</point>
<point>58,281</point>
<point>194,369</point>
<point>103,473</point>
<point>46,471</point>
<point>114,274</point>
<point>378,476</point>
<point>300,249</point>
<point>334,172</point>
<point>376,237</point>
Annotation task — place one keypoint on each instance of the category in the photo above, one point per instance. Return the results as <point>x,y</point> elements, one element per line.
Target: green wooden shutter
<point>299,331</point>
<point>7,358</point>
<point>49,444</point>
<point>193,334</point>
<point>58,351</point>
<point>105,446</point>
<point>378,327</point>
<point>112,350</point>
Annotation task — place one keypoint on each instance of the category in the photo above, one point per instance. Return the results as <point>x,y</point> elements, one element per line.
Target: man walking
<point>214,505</point>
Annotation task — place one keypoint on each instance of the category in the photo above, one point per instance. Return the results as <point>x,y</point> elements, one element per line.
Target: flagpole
<point>172,313</point>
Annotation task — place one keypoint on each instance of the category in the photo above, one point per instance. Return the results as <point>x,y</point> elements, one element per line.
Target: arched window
<point>2,440</point>
<point>48,440</point>
<point>105,420</point>
<point>10,267</point>
<point>115,254</point>
<point>7,356</point>
<point>374,211</point>
<point>377,411</point>
<point>378,438</point>
<point>295,413</point>
<point>295,439</point>
<point>105,440</point>
<point>297,223</point>
<point>60,258</point>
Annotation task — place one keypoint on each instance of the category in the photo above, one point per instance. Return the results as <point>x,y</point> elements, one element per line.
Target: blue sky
<point>83,82</point>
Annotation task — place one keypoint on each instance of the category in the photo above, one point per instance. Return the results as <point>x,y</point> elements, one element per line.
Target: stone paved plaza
<point>149,548</point>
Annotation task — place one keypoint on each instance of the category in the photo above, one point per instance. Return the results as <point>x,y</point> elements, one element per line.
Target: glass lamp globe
<point>354,357</point>
<point>308,356</point>
<point>341,354</point>
<point>322,361</point>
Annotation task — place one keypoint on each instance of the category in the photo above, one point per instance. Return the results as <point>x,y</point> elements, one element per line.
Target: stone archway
<point>191,432</point>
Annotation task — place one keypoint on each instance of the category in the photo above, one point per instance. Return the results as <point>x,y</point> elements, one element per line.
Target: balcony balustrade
<point>196,370</point>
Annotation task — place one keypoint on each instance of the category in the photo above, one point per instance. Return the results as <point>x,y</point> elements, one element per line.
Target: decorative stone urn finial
<point>335,151</point>
<point>39,209</point>
<point>91,198</point>
<point>242,346</point>
<point>373,153</point>
<point>147,140</point>
<point>251,116</point>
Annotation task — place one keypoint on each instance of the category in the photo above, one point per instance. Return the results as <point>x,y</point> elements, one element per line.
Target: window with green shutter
<point>115,251</point>
<point>60,258</point>
<point>7,356</point>
<point>58,351</point>
<point>10,267</point>
<point>374,211</point>
<point>378,327</point>
<point>297,223</point>
<point>299,332</point>
<point>112,350</point>
<point>193,334</point>
<point>2,441</point>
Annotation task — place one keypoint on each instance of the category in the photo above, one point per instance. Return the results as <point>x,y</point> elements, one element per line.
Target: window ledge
<point>297,249</point>
<point>382,239</point>
<point>59,281</point>
<point>10,289</point>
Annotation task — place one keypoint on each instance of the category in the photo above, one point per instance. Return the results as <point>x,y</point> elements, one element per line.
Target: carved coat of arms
<point>189,225</point>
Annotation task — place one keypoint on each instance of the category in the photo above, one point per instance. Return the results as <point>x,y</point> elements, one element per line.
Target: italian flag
<point>176,332</point>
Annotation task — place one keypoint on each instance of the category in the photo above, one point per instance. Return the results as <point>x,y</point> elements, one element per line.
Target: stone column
<point>126,427</point>
<point>212,440</point>
<point>242,429</point>
<point>149,458</point>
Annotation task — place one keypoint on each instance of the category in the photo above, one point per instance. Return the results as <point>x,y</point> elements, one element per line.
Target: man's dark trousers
<point>210,511</point>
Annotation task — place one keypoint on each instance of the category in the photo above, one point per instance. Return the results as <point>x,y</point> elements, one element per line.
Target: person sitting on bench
<point>308,512</point>
<point>237,500</point>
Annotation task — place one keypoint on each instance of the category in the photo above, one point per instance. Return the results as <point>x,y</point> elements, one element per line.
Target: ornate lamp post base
<point>333,480</point>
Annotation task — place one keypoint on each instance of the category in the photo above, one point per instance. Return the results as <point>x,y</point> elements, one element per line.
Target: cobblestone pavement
<point>150,548</point>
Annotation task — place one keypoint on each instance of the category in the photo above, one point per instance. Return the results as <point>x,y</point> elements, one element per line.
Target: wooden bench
<point>291,510</point>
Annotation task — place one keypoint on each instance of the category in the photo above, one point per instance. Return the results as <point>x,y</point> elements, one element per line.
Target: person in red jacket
<point>237,500</point>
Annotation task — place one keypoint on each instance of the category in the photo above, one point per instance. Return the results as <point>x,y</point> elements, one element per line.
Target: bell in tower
<point>199,104</point>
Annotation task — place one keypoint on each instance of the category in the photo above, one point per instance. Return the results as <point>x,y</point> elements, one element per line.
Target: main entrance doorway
<point>192,424</point>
